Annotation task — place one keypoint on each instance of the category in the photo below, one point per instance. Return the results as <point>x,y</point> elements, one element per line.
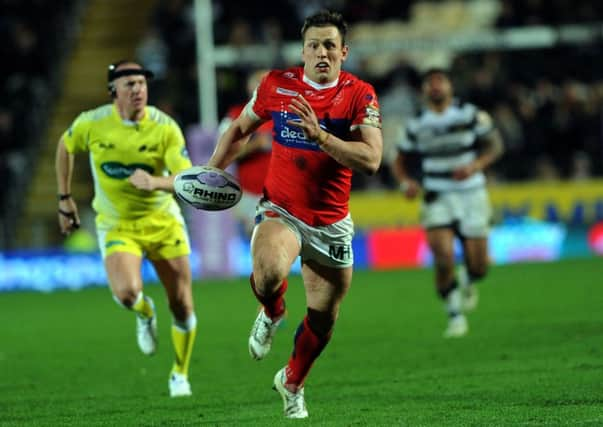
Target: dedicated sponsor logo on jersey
<point>118,170</point>
<point>289,75</point>
<point>283,91</point>
<point>291,136</point>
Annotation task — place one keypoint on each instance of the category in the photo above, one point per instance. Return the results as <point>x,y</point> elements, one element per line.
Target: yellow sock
<point>144,306</point>
<point>183,341</point>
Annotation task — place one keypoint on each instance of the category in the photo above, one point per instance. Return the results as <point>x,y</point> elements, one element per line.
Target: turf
<point>534,356</point>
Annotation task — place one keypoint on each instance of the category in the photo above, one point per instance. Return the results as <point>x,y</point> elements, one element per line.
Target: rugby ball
<point>207,188</point>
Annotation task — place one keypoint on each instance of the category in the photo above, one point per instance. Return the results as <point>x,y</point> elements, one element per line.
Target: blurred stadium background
<point>535,65</point>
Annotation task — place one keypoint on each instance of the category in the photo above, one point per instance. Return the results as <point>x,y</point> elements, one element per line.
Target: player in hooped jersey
<point>456,142</point>
<point>326,124</point>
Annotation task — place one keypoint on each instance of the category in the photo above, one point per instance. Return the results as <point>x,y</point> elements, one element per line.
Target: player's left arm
<point>143,180</point>
<point>362,154</point>
<point>491,147</point>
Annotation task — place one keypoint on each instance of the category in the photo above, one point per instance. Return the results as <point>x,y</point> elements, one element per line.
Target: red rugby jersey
<point>251,169</point>
<point>303,179</point>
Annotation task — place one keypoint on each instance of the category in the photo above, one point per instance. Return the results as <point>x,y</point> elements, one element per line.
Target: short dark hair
<point>435,70</point>
<point>326,18</point>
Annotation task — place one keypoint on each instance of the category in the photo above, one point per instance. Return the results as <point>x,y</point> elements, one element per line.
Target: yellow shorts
<point>157,236</point>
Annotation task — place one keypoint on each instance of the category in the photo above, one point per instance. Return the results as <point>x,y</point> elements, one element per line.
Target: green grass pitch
<point>534,356</point>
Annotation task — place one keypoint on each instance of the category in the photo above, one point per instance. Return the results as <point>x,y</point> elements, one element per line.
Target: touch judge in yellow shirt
<point>135,150</point>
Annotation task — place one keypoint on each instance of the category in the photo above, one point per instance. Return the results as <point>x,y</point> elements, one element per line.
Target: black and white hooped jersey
<point>446,141</point>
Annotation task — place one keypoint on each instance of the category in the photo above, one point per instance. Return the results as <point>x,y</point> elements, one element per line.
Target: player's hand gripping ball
<point>207,188</point>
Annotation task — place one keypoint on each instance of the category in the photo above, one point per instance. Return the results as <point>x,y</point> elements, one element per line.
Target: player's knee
<point>181,302</point>
<point>125,298</point>
<point>444,265</point>
<point>181,310</point>
<point>442,254</point>
<point>268,280</point>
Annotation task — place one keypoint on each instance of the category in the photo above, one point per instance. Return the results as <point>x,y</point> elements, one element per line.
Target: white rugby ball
<point>207,188</point>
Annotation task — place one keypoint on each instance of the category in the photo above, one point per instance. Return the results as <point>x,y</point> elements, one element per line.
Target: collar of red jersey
<point>318,86</point>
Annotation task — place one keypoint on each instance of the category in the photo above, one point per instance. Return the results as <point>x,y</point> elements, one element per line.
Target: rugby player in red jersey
<point>326,124</point>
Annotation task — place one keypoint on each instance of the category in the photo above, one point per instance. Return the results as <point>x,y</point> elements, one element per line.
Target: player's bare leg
<point>274,248</point>
<point>325,289</point>
<point>476,268</point>
<point>441,242</point>
<point>123,272</point>
<point>175,275</point>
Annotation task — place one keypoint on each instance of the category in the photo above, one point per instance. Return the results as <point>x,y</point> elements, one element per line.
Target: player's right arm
<point>74,140</point>
<point>233,139</point>
<point>408,186</point>
<point>68,215</point>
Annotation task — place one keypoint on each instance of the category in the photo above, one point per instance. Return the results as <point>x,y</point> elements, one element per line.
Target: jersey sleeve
<point>367,110</point>
<point>176,155</point>
<point>76,137</point>
<point>407,142</point>
<point>257,107</point>
<point>483,124</point>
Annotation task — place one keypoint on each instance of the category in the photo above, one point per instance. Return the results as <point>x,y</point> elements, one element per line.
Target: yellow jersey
<point>117,148</point>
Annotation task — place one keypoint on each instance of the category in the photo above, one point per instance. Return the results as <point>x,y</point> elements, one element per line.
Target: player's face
<point>437,88</point>
<point>323,54</point>
<point>132,95</point>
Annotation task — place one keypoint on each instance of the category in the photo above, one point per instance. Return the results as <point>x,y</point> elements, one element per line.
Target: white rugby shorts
<point>244,211</point>
<point>329,245</point>
<point>467,210</point>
